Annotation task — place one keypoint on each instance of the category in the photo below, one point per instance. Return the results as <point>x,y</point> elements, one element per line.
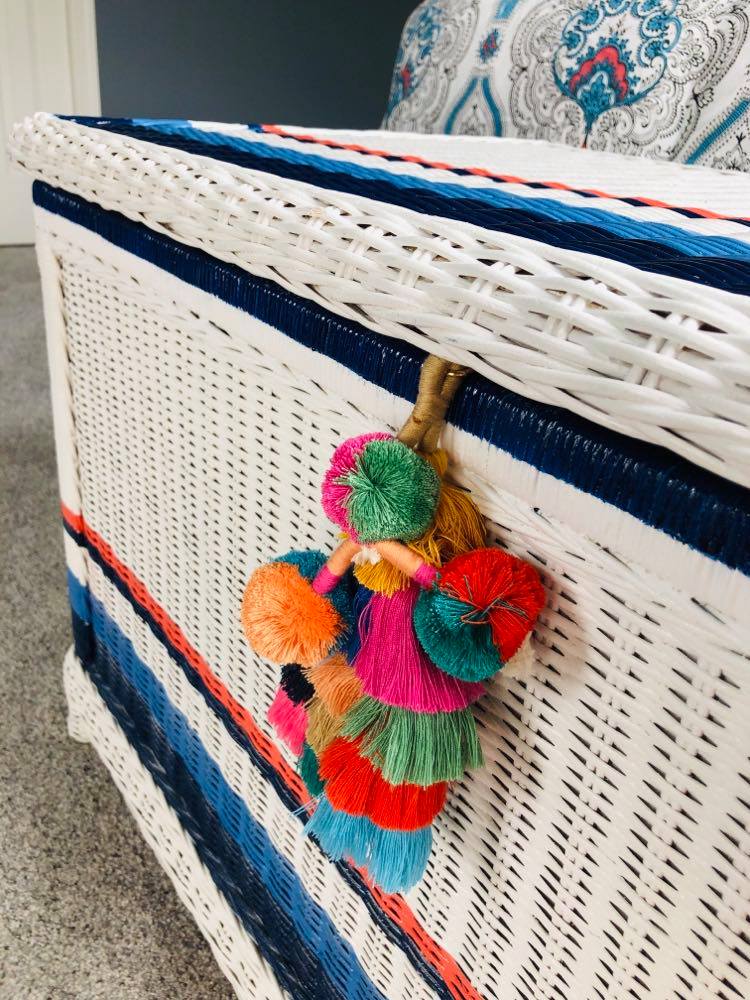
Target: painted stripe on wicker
<point>260,884</point>
<point>235,950</point>
<point>707,263</point>
<point>638,229</point>
<point>634,224</point>
<point>392,913</point>
<point>196,668</point>
<point>78,593</point>
<point>307,137</point>
<point>326,954</point>
<point>475,158</point>
<point>689,504</point>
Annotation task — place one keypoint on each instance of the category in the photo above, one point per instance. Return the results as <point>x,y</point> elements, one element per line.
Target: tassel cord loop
<point>438,383</point>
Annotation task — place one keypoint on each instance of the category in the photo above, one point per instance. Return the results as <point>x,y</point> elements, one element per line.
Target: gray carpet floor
<point>85,911</point>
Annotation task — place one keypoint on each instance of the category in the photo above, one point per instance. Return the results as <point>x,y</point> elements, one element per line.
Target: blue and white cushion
<point>669,79</point>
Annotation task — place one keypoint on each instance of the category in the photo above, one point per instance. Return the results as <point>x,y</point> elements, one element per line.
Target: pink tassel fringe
<point>394,668</point>
<point>289,721</point>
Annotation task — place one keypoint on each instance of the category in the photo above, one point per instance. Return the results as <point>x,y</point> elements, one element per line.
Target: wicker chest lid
<point>618,289</point>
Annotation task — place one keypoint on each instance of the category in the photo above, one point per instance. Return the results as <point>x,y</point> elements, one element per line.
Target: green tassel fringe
<point>416,747</point>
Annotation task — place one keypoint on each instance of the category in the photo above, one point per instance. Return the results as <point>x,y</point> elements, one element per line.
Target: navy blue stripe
<point>78,594</point>
<point>390,929</point>
<point>303,972</point>
<point>706,512</point>
<point>715,271</point>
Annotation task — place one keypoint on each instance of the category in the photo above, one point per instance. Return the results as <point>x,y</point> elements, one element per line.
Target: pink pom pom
<point>335,495</point>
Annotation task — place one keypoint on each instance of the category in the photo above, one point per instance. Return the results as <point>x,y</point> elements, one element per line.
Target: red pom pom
<point>500,590</point>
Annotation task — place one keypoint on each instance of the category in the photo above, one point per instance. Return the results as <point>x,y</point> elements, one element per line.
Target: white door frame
<point>48,62</point>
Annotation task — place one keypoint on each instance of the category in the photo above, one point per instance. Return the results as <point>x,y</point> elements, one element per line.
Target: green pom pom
<point>446,633</point>
<point>394,493</point>
<point>308,769</point>
<point>416,747</point>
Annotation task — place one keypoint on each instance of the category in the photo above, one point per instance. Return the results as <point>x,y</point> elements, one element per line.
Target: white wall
<point>48,62</point>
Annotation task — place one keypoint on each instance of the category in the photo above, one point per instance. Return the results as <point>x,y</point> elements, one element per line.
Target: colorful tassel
<point>415,747</point>
<point>289,720</point>
<point>392,666</point>
<point>394,493</point>
<point>360,601</point>
<point>284,619</point>
<point>323,727</point>
<point>308,769</point>
<point>380,489</point>
<point>458,527</point>
<point>378,679</point>
<point>336,491</point>
<point>296,684</point>
<point>395,860</point>
<point>355,786</point>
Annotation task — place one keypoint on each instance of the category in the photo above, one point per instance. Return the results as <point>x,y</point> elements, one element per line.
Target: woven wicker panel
<point>604,850</point>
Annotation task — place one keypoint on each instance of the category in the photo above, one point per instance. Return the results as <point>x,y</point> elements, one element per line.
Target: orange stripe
<point>265,747</point>
<point>506,178</point>
<point>393,905</point>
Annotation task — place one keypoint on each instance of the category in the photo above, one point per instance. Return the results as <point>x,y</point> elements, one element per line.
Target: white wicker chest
<point>224,304</point>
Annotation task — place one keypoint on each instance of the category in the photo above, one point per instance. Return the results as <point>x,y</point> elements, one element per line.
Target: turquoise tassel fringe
<point>394,859</point>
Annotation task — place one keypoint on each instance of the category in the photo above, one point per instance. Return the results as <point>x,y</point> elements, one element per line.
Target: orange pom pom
<point>285,620</point>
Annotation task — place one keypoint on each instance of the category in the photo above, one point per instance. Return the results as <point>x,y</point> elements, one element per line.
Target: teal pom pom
<point>458,647</point>
<point>478,615</point>
<point>394,493</point>
<point>307,562</point>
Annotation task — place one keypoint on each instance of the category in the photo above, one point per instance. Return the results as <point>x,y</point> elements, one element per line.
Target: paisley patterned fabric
<point>668,79</point>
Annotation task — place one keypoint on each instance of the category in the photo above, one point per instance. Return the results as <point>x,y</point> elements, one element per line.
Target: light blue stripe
<point>688,243</point>
<point>312,923</point>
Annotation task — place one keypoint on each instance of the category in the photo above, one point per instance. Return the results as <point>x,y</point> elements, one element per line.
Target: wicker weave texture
<point>653,356</point>
<point>604,850</point>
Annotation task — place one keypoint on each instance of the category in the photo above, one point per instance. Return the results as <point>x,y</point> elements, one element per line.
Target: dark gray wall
<point>291,61</point>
